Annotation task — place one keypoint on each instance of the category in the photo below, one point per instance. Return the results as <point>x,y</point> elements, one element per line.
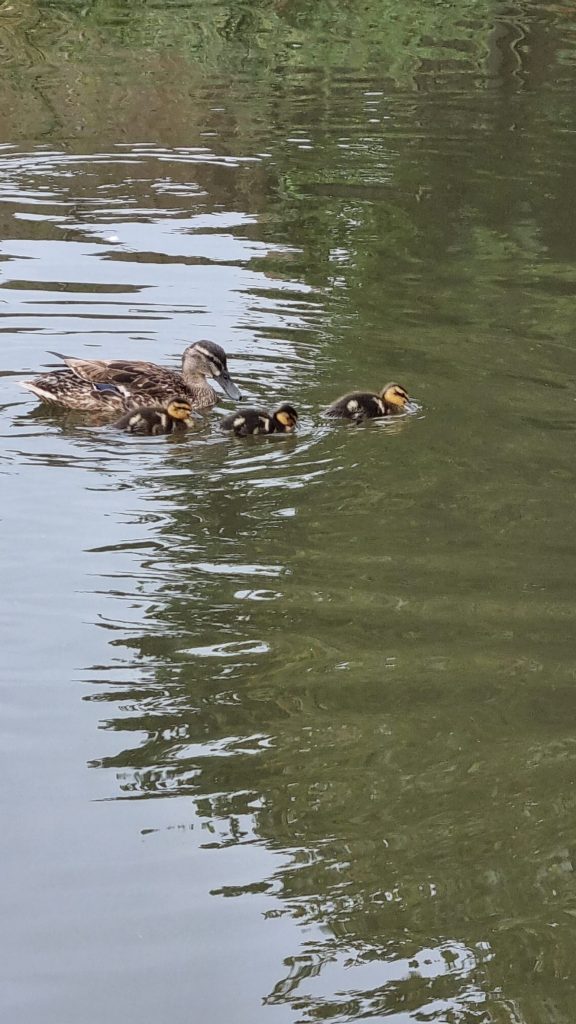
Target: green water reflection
<point>352,650</point>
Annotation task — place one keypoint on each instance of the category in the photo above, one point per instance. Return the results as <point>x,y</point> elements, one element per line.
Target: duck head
<point>208,359</point>
<point>180,409</point>
<point>285,418</point>
<point>397,398</point>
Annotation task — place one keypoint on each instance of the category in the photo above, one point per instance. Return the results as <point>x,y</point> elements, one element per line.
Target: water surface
<point>288,723</point>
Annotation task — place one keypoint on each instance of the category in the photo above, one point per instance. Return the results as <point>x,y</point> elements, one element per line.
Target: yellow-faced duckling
<point>247,421</point>
<point>362,405</point>
<point>113,384</point>
<point>176,416</point>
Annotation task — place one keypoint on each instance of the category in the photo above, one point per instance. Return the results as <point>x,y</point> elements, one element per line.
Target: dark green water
<point>289,726</point>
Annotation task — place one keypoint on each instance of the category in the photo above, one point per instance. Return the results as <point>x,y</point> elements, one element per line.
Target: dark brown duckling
<point>362,405</point>
<point>176,416</point>
<point>247,421</point>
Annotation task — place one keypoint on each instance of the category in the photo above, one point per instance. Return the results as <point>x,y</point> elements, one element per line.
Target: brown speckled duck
<point>114,385</point>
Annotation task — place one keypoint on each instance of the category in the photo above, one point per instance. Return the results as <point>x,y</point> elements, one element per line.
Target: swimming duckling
<point>362,405</point>
<point>175,417</point>
<point>247,421</point>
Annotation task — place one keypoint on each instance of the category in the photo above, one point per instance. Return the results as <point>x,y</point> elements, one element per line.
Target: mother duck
<point>115,385</point>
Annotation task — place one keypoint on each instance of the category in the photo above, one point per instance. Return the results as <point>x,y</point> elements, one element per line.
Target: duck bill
<point>227,384</point>
<point>411,407</point>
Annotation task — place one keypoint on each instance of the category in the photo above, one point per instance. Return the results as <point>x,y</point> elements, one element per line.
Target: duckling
<point>132,383</point>
<point>361,405</point>
<point>247,421</point>
<point>174,418</point>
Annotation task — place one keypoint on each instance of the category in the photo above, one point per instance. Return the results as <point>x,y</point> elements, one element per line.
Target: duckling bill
<point>177,416</point>
<point>361,405</point>
<point>248,421</point>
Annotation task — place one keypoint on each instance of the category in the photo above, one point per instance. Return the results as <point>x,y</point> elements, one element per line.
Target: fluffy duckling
<point>175,417</point>
<point>362,405</point>
<point>247,421</point>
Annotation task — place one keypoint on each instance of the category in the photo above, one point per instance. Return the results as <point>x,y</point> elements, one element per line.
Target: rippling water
<point>287,721</point>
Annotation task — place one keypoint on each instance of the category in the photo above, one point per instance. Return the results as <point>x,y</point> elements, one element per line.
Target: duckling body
<point>115,384</point>
<point>175,418</point>
<point>362,405</point>
<point>245,422</point>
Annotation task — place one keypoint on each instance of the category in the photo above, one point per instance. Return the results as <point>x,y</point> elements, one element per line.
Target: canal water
<point>288,725</point>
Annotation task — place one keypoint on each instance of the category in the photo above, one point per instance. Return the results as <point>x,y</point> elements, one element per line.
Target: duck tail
<point>38,390</point>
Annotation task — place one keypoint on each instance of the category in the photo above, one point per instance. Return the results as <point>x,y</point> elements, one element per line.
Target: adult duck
<point>119,384</point>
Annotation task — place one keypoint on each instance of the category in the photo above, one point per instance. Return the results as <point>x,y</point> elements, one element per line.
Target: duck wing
<point>134,377</point>
<point>107,369</point>
<point>149,386</point>
<point>65,388</point>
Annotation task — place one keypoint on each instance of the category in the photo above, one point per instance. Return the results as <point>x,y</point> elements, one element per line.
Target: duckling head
<point>395,396</point>
<point>287,417</point>
<point>179,409</point>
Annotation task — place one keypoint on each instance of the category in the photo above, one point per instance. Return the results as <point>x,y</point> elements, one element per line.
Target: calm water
<point>289,725</point>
